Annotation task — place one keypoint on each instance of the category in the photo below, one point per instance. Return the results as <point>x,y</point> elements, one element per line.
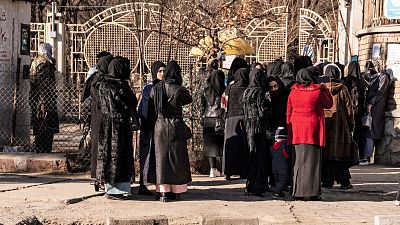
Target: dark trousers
<point>335,171</point>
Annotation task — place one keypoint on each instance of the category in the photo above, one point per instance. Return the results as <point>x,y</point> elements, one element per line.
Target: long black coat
<point>376,96</point>
<point>115,157</point>
<point>170,138</point>
<point>43,92</point>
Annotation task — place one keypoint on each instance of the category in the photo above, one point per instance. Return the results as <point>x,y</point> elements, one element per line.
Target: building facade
<point>378,38</point>
<point>14,69</point>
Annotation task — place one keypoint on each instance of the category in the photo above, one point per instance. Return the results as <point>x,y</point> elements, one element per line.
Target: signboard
<point>392,9</point>
<point>393,59</point>
<point>5,39</point>
<point>25,41</point>
<point>376,51</point>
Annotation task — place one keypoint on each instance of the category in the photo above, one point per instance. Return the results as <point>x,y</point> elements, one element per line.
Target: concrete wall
<point>12,14</point>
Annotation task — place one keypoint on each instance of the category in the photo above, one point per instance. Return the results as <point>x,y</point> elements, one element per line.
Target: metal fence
<point>113,30</point>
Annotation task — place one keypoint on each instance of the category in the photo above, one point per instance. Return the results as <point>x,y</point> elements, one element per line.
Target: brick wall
<point>366,42</point>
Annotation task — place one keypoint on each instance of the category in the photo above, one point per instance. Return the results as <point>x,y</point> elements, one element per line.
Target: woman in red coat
<point>306,132</point>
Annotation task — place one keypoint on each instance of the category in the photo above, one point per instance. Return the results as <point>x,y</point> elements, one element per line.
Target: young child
<point>280,163</point>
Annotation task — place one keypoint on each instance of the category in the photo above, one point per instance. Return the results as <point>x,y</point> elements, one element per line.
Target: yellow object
<point>231,45</point>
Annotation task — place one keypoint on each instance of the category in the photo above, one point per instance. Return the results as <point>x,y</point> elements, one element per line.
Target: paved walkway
<point>60,199</point>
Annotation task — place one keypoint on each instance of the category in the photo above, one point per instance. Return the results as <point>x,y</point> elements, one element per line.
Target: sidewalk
<point>60,199</point>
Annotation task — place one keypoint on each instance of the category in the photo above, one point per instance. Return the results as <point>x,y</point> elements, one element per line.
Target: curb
<point>159,220</point>
<point>387,220</point>
<point>22,162</point>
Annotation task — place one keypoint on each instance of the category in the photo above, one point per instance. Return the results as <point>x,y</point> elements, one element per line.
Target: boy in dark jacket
<point>280,163</point>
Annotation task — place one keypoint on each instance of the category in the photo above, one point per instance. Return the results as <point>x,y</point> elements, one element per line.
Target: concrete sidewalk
<point>60,199</point>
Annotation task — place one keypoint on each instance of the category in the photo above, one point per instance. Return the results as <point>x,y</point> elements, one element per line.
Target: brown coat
<point>339,122</point>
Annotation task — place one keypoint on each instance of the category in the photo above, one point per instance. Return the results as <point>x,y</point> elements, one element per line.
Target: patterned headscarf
<point>46,50</point>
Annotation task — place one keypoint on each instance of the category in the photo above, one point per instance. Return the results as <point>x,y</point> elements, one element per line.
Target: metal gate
<point>316,36</point>
<point>145,32</point>
<point>269,37</point>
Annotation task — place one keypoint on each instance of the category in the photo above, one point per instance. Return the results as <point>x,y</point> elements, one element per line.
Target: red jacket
<point>305,114</point>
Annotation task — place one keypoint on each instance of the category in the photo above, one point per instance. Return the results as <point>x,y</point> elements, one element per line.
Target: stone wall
<point>389,153</point>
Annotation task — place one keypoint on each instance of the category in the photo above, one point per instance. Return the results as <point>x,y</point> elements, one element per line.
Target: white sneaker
<point>363,163</point>
<point>214,173</point>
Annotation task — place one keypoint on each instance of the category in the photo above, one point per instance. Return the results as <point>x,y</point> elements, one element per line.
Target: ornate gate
<point>269,38</point>
<point>315,36</point>
<point>145,32</point>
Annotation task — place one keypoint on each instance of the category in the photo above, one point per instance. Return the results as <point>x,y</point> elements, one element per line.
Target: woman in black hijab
<point>279,96</point>
<point>147,119</point>
<point>275,69</point>
<point>212,113</point>
<point>256,112</point>
<point>236,152</point>
<point>288,77</point>
<point>237,63</point>
<point>92,87</point>
<point>356,86</point>
<point>118,104</point>
<point>302,62</point>
<point>171,134</point>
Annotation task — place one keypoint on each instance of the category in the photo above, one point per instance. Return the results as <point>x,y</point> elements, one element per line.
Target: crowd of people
<point>292,127</point>
<point>283,127</point>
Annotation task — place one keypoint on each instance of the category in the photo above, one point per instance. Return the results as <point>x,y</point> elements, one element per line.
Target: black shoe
<point>119,197</point>
<point>157,196</point>
<point>174,196</point>
<point>327,186</point>
<point>278,195</point>
<point>98,186</point>
<point>164,197</point>
<point>144,191</point>
<point>345,187</point>
<point>315,198</point>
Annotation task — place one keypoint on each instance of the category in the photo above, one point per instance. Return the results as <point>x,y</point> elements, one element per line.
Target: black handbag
<point>355,157</point>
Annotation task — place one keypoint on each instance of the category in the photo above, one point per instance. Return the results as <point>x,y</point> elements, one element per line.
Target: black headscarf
<point>302,62</point>
<point>275,69</point>
<point>242,77</point>
<point>288,75</point>
<point>126,65</point>
<point>278,104</point>
<point>102,70</point>
<point>118,70</point>
<point>213,64</point>
<point>320,67</point>
<point>101,54</point>
<point>237,63</point>
<point>307,76</point>
<point>333,72</point>
<point>354,70</point>
<point>102,65</point>
<point>172,76</point>
<point>257,79</point>
<point>341,67</point>
<point>215,86</point>
<point>154,70</point>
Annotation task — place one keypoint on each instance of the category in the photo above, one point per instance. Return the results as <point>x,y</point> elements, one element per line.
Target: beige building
<point>14,67</point>
<point>375,34</point>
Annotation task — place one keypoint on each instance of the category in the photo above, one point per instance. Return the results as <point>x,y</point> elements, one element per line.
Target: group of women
<point>163,149</point>
<point>321,106</point>
<point>238,121</point>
